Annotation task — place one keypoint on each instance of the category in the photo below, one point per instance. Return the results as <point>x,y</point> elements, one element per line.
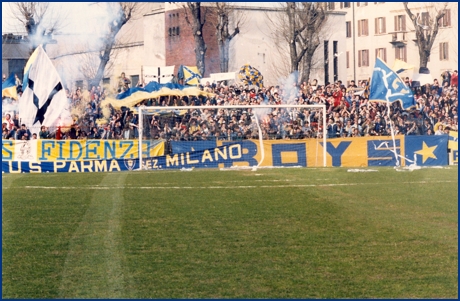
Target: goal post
<point>229,123</point>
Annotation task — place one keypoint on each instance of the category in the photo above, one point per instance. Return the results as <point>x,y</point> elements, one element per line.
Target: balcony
<point>398,39</point>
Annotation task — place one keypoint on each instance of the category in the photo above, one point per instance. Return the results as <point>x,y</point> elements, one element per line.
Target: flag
<point>401,66</point>
<point>190,75</point>
<point>366,89</point>
<point>9,87</point>
<point>43,101</point>
<point>161,75</point>
<point>153,89</point>
<point>386,85</point>
<point>249,75</point>
<point>422,77</point>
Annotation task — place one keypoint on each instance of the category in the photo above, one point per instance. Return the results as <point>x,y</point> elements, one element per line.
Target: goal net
<point>229,136</point>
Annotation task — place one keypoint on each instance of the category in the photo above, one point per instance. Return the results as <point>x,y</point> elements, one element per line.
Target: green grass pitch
<point>270,233</point>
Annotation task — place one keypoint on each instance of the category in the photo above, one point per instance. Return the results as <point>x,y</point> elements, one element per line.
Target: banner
<point>160,75</point>
<point>453,140</point>
<point>204,80</point>
<point>78,150</point>
<point>70,166</point>
<point>223,76</point>
<point>426,150</point>
<point>453,148</point>
<point>122,155</point>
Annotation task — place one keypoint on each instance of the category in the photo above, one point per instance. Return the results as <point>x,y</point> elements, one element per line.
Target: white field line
<point>96,187</point>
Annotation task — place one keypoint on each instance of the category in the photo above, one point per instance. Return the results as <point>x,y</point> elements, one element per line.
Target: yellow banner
<point>78,150</point>
<point>345,152</point>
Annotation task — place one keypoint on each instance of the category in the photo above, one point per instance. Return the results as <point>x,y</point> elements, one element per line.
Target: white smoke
<point>9,106</point>
<point>290,89</point>
<point>79,44</point>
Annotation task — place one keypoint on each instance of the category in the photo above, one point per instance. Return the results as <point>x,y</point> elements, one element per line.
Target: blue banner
<point>70,166</point>
<point>426,150</point>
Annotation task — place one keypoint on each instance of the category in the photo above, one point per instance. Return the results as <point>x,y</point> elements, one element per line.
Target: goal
<point>233,136</point>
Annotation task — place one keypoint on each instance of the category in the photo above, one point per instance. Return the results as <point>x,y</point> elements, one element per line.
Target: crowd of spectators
<point>349,114</point>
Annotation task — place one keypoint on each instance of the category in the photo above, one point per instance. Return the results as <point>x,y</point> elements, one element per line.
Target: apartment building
<point>384,30</point>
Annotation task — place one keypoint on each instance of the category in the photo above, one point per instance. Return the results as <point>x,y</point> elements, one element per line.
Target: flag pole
<point>392,132</point>
<point>142,76</point>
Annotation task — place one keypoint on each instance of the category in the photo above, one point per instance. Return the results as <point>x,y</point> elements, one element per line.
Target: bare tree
<point>315,21</point>
<point>225,12</point>
<point>39,21</point>
<point>196,19</point>
<point>426,29</point>
<point>123,12</point>
<point>299,26</point>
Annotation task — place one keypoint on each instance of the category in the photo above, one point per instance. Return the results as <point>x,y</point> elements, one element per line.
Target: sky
<point>80,18</point>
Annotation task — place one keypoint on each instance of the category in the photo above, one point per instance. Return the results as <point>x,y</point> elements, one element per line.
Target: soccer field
<point>270,233</point>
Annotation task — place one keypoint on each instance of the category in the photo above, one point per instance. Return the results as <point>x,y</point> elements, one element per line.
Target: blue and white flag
<point>387,86</point>
<point>44,100</point>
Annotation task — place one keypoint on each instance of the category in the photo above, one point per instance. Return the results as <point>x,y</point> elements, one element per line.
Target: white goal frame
<point>144,109</point>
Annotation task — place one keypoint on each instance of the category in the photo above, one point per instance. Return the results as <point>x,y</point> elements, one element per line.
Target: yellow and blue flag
<point>401,66</point>
<point>190,75</point>
<point>249,75</point>
<point>387,86</point>
<point>9,87</point>
<point>133,96</point>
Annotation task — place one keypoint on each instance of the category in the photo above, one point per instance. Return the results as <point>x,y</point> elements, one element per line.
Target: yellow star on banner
<point>426,152</point>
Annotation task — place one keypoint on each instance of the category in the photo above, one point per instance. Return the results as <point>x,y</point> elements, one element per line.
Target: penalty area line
<point>225,187</point>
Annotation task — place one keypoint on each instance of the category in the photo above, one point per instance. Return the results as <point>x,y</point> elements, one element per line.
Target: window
<point>348,24</point>
<point>344,4</point>
<point>443,51</point>
<point>348,59</point>
<point>381,53</point>
<point>400,23</point>
<point>380,25</point>
<point>170,31</point>
<point>445,20</point>
<point>177,30</point>
<point>401,53</point>
<point>358,4</point>
<point>363,28</point>
<point>423,18</point>
<point>134,80</point>
<point>363,58</point>
<point>79,84</point>
<point>331,5</point>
